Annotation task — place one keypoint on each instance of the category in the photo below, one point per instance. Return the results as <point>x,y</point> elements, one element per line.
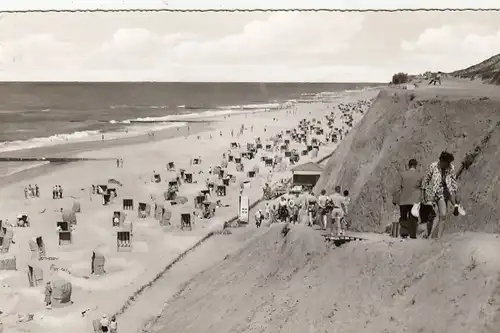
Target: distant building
<point>306,174</point>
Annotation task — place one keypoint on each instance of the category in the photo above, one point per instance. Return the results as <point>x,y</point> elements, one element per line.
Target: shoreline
<point>68,150</point>
<point>75,148</point>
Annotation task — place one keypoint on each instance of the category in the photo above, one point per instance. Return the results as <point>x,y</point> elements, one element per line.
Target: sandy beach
<point>153,246</point>
<point>288,279</point>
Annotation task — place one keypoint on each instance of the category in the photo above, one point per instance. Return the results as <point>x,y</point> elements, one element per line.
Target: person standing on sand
<point>37,191</point>
<point>338,203</point>
<point>258,218</point>
<point>283,210</point>
<point>347,201</point>
<point>26,192</point>
<point>322,209</point>
<point>439,187</point>
<point>347,204</point>
<point>104,323</point>
<point>48,295</point>
<point>273,215</point>
<point>310,204</point>
<point>267,210</point>
<point>409,194</point>
<point>113,325</point>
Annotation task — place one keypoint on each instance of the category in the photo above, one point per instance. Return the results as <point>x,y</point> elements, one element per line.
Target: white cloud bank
<point>452,47</point>
<point>284,47</point>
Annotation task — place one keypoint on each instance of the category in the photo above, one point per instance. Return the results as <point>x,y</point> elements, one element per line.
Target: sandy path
<point>211,252</point>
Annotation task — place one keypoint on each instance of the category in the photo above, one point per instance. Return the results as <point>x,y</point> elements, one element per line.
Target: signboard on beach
<point>243,209</point>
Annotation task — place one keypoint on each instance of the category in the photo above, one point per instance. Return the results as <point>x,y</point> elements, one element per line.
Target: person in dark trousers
<point>409,194</point>
<point>347,204</point>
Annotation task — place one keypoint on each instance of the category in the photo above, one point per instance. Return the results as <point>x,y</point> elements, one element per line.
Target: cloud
<point>453,46</point>
<point>281,47</point>
<point>283,43</point>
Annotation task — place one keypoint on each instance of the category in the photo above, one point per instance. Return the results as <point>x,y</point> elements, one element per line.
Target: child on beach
<point>48,295</point>
<point>258,218</point>
<point>113,325</point>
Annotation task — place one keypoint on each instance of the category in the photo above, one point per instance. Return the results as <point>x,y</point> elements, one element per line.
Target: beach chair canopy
<point>114,181</point>
<point>61,291</point>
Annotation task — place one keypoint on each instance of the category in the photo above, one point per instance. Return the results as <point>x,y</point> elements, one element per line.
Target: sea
<point>38,114</point>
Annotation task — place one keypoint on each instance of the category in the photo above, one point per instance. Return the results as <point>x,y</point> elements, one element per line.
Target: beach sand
<point>294,281</point>
<point>153,246</point>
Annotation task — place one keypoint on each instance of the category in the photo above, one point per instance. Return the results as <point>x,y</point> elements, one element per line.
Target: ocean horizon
<point>35,114</point>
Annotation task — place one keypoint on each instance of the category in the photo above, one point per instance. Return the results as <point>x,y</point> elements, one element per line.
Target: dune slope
<point>402,125</point>
<point>298,283</point>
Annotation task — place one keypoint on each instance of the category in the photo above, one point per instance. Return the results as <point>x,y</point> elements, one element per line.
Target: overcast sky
<point>336,47</point>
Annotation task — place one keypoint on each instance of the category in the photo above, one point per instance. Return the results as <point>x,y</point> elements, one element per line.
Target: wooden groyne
<point>52,159</point>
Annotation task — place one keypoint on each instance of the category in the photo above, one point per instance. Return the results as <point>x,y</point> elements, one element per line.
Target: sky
<point>297,46</point>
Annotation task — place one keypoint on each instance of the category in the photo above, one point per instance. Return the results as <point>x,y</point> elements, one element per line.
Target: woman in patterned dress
<point>439,187</point>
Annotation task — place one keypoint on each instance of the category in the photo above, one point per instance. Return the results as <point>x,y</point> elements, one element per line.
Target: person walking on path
<point>113,325</point>
<point>439,187</point>
<point>347,204</point>
<point>48,295</point>
<point>322,209</point>
<point>310,204</point>
<point>409,194</point>
<point>338,205</point>
<point>104,323</point>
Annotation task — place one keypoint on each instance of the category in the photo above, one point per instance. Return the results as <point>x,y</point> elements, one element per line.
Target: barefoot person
<point>338,203</point>
<point>322,209</point>
<point>439,187</point>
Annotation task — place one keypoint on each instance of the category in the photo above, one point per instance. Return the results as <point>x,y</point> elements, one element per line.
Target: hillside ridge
<point>404,125</point>
<point>488,70</point>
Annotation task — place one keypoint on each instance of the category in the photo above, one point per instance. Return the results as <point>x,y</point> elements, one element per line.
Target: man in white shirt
<point>104,323</point>
<point>338,205</point>
<point>322,201</point>
<point>310,204</point>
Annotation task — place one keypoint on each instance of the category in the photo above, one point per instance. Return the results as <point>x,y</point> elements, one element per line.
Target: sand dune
<point>401,125</point>
<point>298,283</point>
<point>265,280</point>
